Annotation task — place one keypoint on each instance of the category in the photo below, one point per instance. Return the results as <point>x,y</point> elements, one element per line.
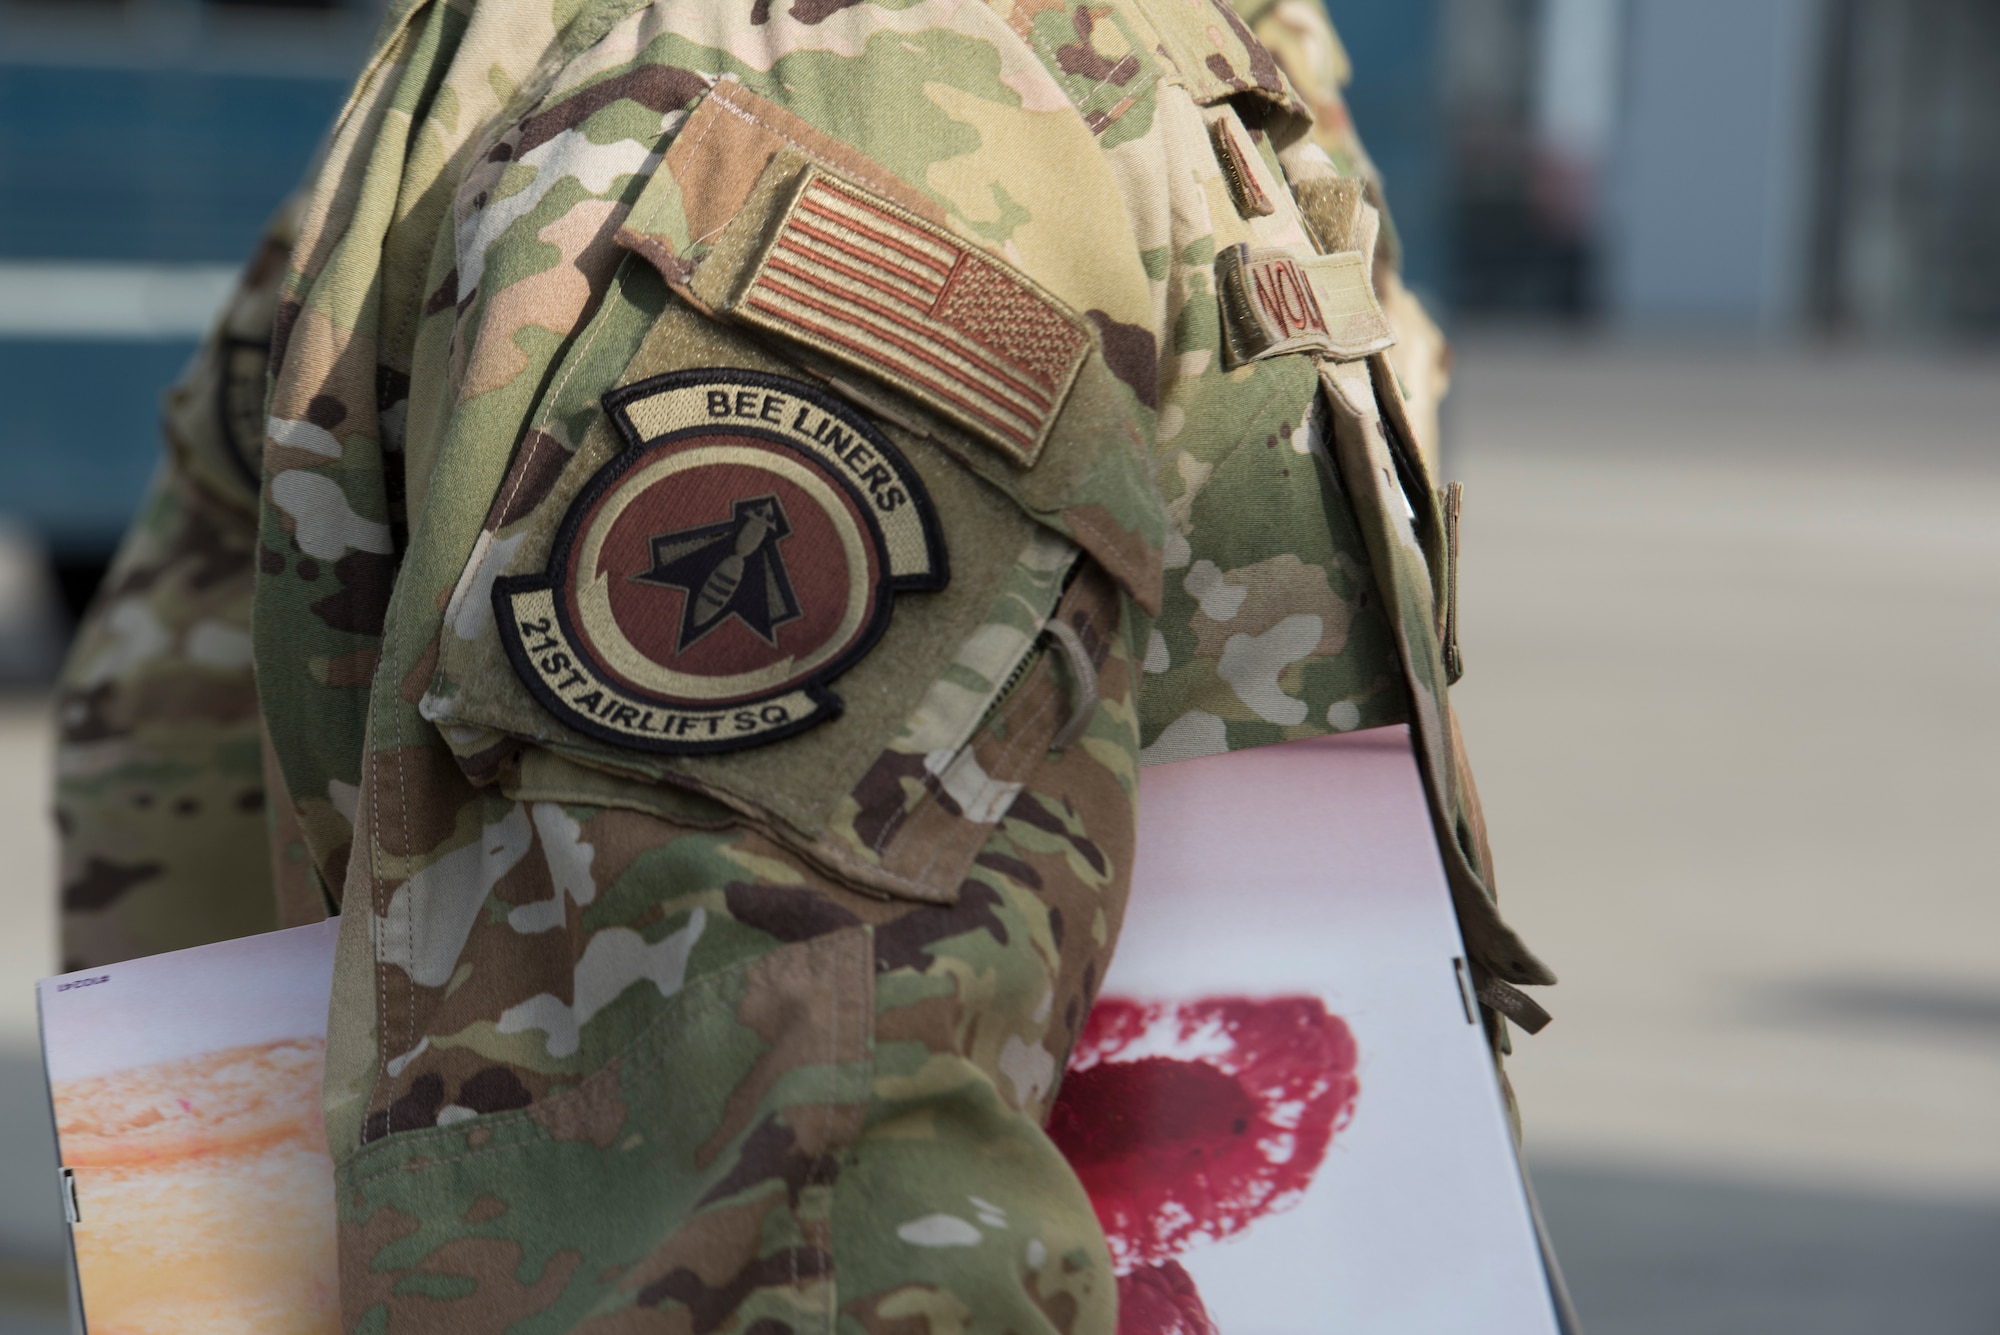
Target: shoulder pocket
<point>853,275</point>
<point>803,573</point>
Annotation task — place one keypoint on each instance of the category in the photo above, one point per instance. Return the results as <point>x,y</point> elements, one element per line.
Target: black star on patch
<point>729,569</point>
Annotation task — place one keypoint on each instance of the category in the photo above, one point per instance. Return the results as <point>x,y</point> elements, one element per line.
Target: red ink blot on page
<point>1161,1300</point>
<point>1188,1121</point>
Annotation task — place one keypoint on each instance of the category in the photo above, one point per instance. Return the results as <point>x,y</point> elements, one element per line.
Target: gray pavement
<point>32,1300</point>
<point>1732,623</point>
<point>1683,1253</point>
<point>31,1232</point>
<point>30,1208</point>
<point>1732,626</point>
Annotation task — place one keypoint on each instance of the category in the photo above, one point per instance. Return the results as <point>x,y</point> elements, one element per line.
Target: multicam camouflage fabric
<point>626,1039</point>
<point>160,785</point>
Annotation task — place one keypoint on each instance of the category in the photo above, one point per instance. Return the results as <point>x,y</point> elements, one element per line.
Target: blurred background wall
<point>1779,167</point>
<point>1723,278</point>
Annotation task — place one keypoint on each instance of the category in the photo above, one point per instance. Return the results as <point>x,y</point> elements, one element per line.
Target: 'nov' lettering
<point>1285,301</point>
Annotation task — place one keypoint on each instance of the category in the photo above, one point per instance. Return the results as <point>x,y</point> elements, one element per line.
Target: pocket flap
<point>790,573</point>
<point>758,219</point>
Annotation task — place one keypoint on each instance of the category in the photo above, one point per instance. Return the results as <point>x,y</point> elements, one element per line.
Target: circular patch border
<point>531,607</point>
<point>630,666</point>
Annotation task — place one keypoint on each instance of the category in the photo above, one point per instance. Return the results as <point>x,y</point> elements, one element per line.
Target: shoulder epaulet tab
<point>1215,56</point>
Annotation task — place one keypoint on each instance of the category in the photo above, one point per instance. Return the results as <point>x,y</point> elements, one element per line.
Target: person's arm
<point>1305,45</point>
<point>160,793</point>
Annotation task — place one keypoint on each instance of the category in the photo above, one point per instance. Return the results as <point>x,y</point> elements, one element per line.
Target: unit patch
<point>1274,303</point>
<point>879,288</point>
<point>742,551</point>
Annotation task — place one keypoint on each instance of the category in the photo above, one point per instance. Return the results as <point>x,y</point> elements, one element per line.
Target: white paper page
<point>186,1096</point>
<point>1309,868</point>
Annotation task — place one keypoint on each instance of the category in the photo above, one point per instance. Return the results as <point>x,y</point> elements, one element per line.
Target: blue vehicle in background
<point>142,147</point>
<point>153,173</point>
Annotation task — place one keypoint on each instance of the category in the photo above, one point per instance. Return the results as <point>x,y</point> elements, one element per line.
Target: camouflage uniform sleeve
<point>1305,45</point>
<point>634,1030</point>
<point>1396,398</point>
<point>709,538</point>
<point>160,791</point>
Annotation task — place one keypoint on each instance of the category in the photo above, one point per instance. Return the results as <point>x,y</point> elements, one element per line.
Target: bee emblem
<point>731,569</point>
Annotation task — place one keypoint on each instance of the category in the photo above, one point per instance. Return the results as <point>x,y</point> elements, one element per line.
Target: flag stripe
<point>893,242</point>
<point>811,239</point>
<point>969,357</point>
<point>968,363</point>
<point>953,325</point>
<point>832,202</point>
<point>834,336</point>
<point>907,292</point>
<point>809,269</point>
<point>876,354</point>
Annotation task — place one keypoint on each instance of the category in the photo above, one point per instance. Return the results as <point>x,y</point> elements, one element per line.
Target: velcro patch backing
<point>1249,197</point>
<point>877,287</point>
<point>1275,303</point>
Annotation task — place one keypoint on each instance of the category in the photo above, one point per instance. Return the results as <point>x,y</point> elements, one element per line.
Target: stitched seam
<point>1029,727</point>
<point>933,785</point>
<point>894,827</point>
<point>653,214</point>
<point>693,149</point>
<point>833,1062</point>
<point>883,185</point>
<point>520,478</point>
<point>1050,58</point>
<point>374,945</point>
<point>409,917</point>
<point>847,759</point>
<point>547,412</point>
<point>409,934</point>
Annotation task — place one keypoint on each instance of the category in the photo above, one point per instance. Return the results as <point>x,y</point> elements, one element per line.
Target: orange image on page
<point>203,1190</point>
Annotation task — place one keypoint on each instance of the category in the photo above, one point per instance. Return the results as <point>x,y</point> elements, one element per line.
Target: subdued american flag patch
<point>876,287</point>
